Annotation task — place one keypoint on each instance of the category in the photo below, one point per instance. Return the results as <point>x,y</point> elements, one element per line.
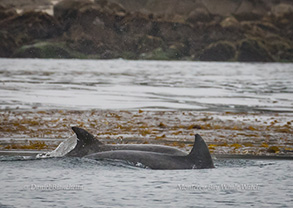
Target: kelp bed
<point>225,133</point>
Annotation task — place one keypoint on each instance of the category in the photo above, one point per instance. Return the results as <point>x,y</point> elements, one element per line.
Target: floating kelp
<point>225,133</point>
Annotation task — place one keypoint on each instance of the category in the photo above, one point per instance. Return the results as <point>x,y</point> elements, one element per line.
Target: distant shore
<point>246,31</point>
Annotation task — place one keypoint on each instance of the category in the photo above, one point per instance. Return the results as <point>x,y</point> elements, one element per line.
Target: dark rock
<point>172,31</point>
<point>24,28</point>
<point>249,30</point>
<point>286,55</point>
<point>267,27</point>
<point>230,22</point>
<point>281,50</point>
<point>28,5</point>
<point>32,25</point>
<point>252,50</point>
<point>69,9</point>
<point>129,55</point>
<point>84,11</point>
<point>220,51</point>
<point>93,28</point>
<point>45,50</point>
<point>199,15</point>
<point>178,50</point>
<point>173,52</point>
<point>284,23</point>
<point>6,12</point>
<point>107,54</point>
<point>157,54</point>
<point>148,43</point>
<point>279,10</point>
<point>7,44</point>
<point>85,44</point>
<point>248,16</point>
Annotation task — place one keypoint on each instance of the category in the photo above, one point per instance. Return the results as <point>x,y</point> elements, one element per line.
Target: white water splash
<point>63,148</point>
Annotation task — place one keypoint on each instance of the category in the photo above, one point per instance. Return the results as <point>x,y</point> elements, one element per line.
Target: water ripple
<point>120,84</point>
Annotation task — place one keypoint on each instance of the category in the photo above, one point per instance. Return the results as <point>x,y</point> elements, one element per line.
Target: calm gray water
<point>34,84</point>
<point>121,84</point>
<point>72,182</point>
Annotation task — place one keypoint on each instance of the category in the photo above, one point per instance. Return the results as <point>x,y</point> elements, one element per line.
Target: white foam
<point>62,149</point>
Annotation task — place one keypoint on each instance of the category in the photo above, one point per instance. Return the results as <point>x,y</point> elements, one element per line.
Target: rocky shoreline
<point>243,30</point>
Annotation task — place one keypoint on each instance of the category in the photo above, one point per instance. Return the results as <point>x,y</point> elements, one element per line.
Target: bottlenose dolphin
<point>88,144</point>
<point>198,158</point>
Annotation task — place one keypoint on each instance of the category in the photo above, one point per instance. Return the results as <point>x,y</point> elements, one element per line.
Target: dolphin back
<point>200,155</point>
<point>86,143</point>
<point>198,158</point>
<point>84,137</point>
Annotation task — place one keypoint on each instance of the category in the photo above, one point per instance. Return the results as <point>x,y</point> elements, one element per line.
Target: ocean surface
<point>27,84</point>
<point>73,182</point>
<point>35,84</point>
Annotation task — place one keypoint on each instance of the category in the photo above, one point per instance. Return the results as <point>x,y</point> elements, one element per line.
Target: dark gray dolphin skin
<point>88,144</point>
<point>198,158</point>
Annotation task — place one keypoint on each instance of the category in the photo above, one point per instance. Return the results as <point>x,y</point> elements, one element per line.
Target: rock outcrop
<point>239,30</point>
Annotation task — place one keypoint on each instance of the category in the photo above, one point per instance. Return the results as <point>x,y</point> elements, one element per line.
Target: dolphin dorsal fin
<point>200,153</point>
<point>84,137</point>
